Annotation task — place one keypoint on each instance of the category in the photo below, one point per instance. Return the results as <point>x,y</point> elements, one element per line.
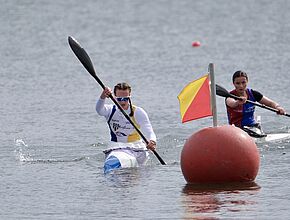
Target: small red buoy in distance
<point>224,154</point>
<point>195,43</point>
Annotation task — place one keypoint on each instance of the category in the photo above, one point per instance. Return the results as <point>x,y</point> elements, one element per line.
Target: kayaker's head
<point>122,91</point>
<point>240,81</point>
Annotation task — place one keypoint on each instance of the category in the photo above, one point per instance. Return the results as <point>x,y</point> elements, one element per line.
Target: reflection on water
<point>209,201</point>
<point>125,177</point>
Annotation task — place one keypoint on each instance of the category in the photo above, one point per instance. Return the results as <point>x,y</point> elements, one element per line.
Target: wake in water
<point>22,154</point>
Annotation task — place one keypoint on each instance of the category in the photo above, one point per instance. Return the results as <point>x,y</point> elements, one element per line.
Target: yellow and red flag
<point>194,100</point>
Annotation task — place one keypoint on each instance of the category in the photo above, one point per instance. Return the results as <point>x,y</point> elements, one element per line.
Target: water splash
<point>22,154</point>
<point>20,149</point>
<point>20,142</point>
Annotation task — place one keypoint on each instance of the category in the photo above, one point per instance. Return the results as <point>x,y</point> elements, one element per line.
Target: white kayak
<point>273,137</point>
<point>125,155</point>
<point>259,136</point>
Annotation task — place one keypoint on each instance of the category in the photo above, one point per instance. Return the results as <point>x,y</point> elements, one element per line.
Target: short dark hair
<point>239,73</point>
<point>122,86</point>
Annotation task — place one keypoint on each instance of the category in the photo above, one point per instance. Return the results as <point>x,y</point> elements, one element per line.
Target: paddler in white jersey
<point>121,130</point>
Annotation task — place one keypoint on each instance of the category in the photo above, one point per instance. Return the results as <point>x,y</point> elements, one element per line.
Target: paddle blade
<point>84,58</point>
<point>221,91</point>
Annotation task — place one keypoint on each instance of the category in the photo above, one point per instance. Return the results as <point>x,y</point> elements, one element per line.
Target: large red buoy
<point>220,155</point>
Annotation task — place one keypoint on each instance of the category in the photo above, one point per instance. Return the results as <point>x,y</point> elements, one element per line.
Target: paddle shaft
<point>86,61</point>
<point>224,93</point>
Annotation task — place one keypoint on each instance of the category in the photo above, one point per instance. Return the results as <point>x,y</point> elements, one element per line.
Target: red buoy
<point>220,155</point>
<point>196,44</point>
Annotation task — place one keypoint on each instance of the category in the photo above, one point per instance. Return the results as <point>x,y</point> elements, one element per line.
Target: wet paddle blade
<point>82,55</point>
<point>221,91</point>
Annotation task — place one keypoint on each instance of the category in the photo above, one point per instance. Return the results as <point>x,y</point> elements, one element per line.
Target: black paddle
<point>87,63</point>
<point>221,91</point>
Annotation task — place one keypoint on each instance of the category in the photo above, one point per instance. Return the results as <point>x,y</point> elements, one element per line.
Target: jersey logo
<point>116,126</point>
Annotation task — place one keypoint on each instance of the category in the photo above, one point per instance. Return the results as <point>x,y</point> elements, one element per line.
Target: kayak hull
<point>125,157</point>
<point>259,136</point>
<point>273,137</point>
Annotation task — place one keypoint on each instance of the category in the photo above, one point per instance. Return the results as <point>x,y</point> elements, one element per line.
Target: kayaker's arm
<point>145,125</point>
<point>270,103</point>
<point>233,103</point>
<point>102,109</point>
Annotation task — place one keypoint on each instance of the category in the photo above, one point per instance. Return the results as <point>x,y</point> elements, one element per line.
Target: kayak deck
<point>124,158</point>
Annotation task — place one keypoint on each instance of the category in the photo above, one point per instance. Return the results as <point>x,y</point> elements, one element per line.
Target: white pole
<point>213,93</point>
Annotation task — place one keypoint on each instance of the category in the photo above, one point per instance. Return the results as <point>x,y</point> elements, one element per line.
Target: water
<point>52,139</point>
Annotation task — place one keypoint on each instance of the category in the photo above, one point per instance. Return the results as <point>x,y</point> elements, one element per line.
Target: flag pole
<point>213,93</point>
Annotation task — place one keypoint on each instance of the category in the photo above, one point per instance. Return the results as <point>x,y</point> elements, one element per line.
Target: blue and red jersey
<point>243,115</point>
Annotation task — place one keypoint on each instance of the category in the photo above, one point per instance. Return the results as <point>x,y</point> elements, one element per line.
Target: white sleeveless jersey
<point>121,129</point>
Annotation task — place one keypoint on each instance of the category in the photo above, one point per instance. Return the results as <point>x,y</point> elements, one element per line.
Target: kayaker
<point>121,129</point>
<point>240,113</point>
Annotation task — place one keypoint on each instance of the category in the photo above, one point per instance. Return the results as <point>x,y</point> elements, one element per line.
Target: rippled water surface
<point>52,140</point>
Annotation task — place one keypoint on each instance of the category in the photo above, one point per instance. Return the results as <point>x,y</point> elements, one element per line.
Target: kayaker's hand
<point>241,101</point>
<point>281,110</point>
<point>106,93</point>
<point>151,145</point>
